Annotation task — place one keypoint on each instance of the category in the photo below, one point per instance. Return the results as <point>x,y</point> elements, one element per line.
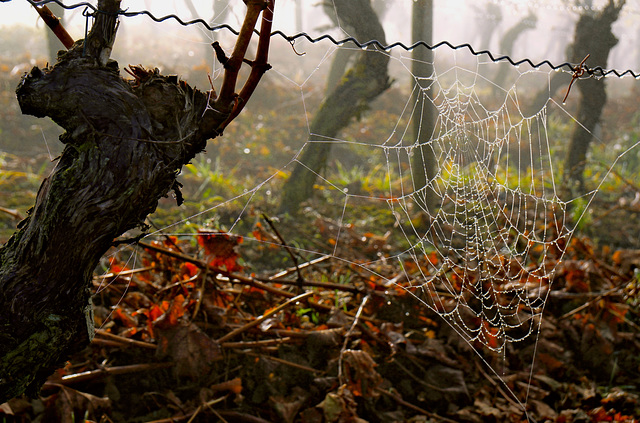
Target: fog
<point>186,51</point>
<point>456,21</point>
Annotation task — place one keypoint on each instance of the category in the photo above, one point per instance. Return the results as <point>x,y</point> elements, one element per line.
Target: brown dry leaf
<point>15,407</point>
<point>393,332</point>
<point>72,406</point>
<point>340,407</point>
<point>596,351</point>
<point>487,410</point>
<point>449,383</point>
<point>311,415</point>
<point>191,349</point>
<point>359,369</point>
<point>542,410</point>
<point>233,385</point>
<point>626,260</point>
<point>288,407</point>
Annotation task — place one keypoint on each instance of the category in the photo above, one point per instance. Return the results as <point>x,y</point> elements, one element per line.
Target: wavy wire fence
<point>596,71</point>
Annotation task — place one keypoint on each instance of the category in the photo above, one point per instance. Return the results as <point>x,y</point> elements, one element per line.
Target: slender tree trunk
<point>360,85</point>
<point>424,166</point>
<point>340,63</point>
<point>489,20</point>
<point>126,141</point>
<point>508,41</point>
<point>593,36</point>
<point>53,43</point>
<point>299,15</point>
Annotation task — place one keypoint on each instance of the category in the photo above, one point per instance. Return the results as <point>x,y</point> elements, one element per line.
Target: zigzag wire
<point>595,71</point>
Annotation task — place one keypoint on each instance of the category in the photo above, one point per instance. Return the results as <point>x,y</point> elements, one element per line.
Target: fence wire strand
<point>596,71</point>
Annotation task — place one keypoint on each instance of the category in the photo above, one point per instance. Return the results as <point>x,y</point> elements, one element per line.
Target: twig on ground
<point>233,277</point>
<point>290,270</point>
<point>414,407</point>
<point>348,336</point>
<point>300,279</point>
<point>264,316</point>
<point>325,285</point>
<point>162,232</point>
<point>123,340</point>
<point>257,344</point>
<point>124,273</point>
<point>108,371</point>
<point>12,212</point>
<point>203,276</point>
<point>285,362</point>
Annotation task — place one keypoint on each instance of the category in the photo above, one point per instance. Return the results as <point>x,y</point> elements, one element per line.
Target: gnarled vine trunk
<point>125,143</point>
<point>593,36</point>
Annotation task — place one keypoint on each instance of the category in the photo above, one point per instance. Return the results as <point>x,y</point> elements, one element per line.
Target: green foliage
<point>579,212</point>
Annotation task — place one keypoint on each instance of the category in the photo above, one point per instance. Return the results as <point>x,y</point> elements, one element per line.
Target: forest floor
<point>199,331</point>
<point>194,332</point>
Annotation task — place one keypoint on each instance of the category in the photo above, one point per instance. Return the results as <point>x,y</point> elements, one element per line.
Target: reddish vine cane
<point>578,72</point>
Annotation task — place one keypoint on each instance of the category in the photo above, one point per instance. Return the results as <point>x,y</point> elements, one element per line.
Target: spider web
<point>481,260</point>
<point>485,257</point>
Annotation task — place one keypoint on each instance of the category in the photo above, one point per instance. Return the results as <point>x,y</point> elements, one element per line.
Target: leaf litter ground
<point>189,332</point>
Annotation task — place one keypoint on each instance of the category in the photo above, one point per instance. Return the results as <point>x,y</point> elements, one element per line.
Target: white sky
<point>456,21</point>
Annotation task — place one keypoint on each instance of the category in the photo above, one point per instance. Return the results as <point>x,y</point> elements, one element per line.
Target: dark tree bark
<point>360,85</point>
<point>126,142</point>
<point>593,36</point>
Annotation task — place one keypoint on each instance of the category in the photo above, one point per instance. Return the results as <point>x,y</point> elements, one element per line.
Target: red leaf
<point>220,248</point>
<point>188,270</point>
<point>125,318</point>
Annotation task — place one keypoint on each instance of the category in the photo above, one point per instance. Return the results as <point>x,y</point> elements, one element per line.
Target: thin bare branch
<point>232,66</point>
<point>258,67</point>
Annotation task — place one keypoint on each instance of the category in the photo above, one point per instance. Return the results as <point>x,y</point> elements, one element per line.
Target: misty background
<point>290,93</point>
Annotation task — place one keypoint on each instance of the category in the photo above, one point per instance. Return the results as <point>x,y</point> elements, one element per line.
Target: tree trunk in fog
<point>360,85</point>
<point>53,43</point>
<point>220,11</point>
<point>508,41</point>
<point>125,143</point>
<point>299,15</point>
<point>343,55</point>
<point>424,166</point>
<point>593,36</point>
<point>489,20</point>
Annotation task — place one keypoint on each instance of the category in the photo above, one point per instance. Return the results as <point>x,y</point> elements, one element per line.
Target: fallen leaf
<point>192,351</point>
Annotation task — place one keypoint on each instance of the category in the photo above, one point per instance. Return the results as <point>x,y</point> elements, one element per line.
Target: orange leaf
<point>155,312</point>
<point>125,319</point>
<point>221,248</point>
<point>188,270</point>
<point>233,385</point>
<point>177,310</point>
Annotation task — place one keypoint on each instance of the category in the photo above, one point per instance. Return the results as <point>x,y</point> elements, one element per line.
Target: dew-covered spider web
<point>477,245</point>
<point>481,256</point>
